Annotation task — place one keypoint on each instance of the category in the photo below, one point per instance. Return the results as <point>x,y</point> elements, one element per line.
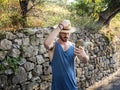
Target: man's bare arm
<point>49,41</point>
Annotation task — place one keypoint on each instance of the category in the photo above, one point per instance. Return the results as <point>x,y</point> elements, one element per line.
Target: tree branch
<point>111,16</point>
<point>33,6</point>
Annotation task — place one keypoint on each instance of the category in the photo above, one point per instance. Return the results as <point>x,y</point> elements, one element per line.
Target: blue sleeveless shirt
<point>63,69</point>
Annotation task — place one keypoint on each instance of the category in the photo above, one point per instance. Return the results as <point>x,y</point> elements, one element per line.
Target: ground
<point>109,83</point>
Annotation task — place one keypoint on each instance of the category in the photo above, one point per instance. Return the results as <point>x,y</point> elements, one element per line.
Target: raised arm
<point>49,41</point>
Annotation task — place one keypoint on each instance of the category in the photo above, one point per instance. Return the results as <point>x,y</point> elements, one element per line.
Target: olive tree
<point>101,10</point>
<point>24,7</point>
<point>113,7</point>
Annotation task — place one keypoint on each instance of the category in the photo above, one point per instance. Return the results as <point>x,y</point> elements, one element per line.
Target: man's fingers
<point>77,54</point>
<point>79,49</point>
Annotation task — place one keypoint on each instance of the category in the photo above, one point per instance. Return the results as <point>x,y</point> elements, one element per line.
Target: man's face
<point>64,36</point>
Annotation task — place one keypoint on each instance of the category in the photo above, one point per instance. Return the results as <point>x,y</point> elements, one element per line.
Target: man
<point>62,54</point>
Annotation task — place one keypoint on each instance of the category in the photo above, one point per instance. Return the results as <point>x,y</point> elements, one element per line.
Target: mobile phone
<point>79,43</point>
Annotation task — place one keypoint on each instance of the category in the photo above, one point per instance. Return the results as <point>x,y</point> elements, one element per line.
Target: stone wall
<point>24,61</point>
<point>104,58</point>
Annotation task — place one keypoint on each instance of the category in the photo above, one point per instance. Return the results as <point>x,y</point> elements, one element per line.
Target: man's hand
<point>80,53</point>
<point>65,24</point>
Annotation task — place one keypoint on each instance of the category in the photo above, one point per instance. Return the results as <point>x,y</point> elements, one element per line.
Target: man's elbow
<point>46,45</point>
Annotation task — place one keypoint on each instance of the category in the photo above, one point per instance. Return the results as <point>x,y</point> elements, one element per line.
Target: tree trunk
<point>23,6</point>
<point>106,16</point>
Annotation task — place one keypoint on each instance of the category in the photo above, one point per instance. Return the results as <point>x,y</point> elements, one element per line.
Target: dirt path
<point>109,83</point>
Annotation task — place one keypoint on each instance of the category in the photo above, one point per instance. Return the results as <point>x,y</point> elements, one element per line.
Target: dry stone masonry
<point>24,61</point>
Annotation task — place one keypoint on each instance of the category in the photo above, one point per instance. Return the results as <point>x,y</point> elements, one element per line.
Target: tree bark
<point>25,10</point>
<point>111,16</point>
<point>106,16</point>
<point>23,6</point>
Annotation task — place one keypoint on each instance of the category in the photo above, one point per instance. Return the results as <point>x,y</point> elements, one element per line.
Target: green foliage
<point>12,63</point>
<point>2,67</point>
<point>3,4</point>
<point>51,14</point>
<point>4,20</point>
<point>91,25</point>
<point>82,13</point>
<point>108,33</point>
<point>13,19</point>
<point>16,19</point>
<point>88,7</point>
<point>84,22</point>
<point>10,14</point>
<point>32,38</point>
<point>112,3</point>
<point>109,37</point>
<point>57,2</point>
<point>117,17</point>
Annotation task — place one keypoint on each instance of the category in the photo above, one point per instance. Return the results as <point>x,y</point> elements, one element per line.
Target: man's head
<point>66,31</point>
